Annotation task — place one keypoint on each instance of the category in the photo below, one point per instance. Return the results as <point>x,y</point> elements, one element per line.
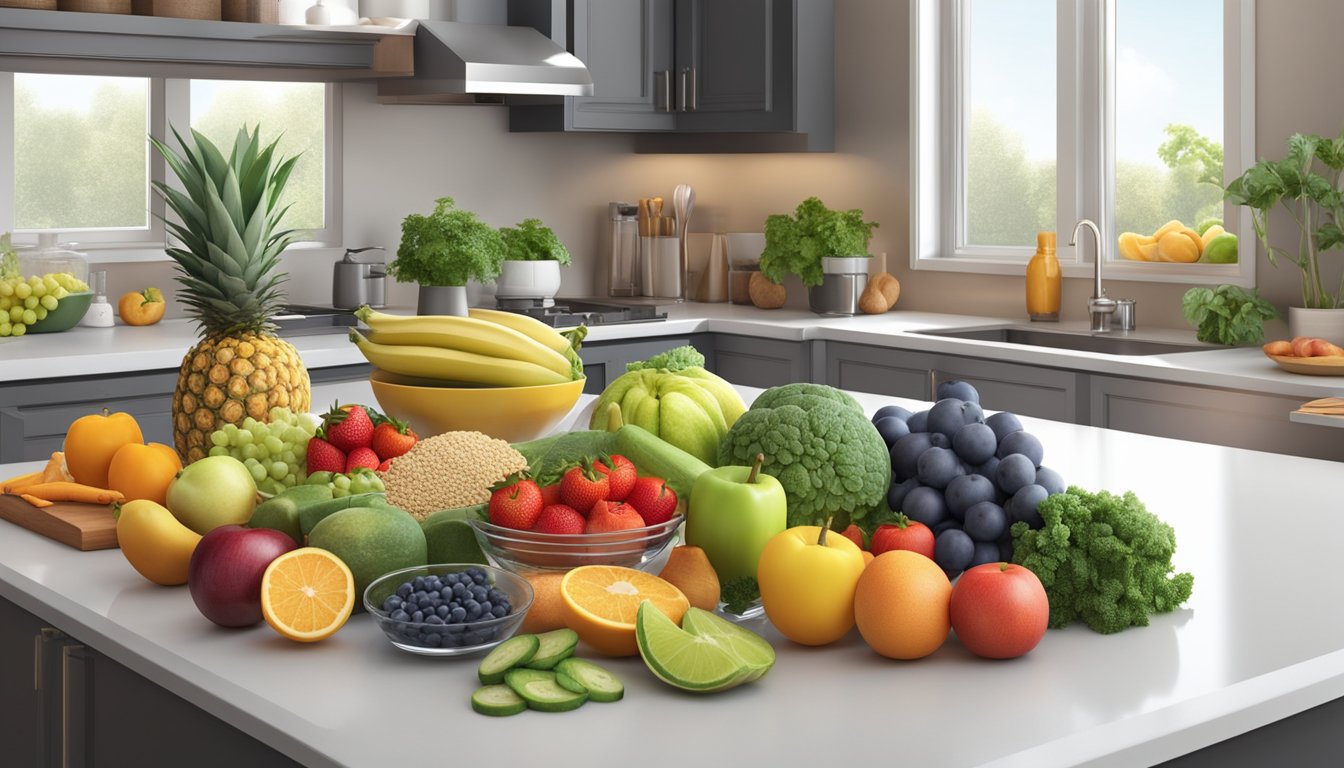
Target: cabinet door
<point>1207,415</point>
<point>754,362</point>
<point>20,696</point>
<point>879,370</point>
<point>1027,390</point>
<point>735,62</point>
<point>627,47</point>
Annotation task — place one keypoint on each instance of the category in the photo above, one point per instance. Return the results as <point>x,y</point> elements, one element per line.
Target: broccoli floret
<point>1102,558</point>
<point>738,594</point>
<point>675,359</point>
<point>827,455</point>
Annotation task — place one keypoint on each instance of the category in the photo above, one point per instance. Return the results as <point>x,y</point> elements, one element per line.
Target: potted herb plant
<point>533,256</point>
<point>826,249</point>
<point>1307,183</point>
<point>441,252</point>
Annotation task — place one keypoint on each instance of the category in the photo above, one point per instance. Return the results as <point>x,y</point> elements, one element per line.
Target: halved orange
<point>307,594</point>
<point>601,603</point>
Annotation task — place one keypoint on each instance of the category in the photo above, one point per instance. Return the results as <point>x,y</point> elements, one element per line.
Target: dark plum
<point>1014,472</point>
<point>894,411</point>
<point>985,521</point>
<point>918,422</point>
<point>891,429</point>
<point>953,550</point>
<point>974,443</point>
<point>1024,443</point>
<point>967,490</point>
<point>962,390</point>
<point>896,493</point>
<point>937,466</point>
<point>1003,423</point>
<point>1050,480</point>
<point>925,505</point>
<point>905,454</point>
<point>1022,506</point>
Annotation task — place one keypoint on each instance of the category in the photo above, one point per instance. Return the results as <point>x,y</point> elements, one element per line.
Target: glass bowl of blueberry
<point>450,609</point>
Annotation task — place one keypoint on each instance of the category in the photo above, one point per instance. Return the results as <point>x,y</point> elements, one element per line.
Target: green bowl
<point>69,311</point>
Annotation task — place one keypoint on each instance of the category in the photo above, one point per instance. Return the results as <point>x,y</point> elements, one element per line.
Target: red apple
<point>999,610</point>
<point>224,576</point>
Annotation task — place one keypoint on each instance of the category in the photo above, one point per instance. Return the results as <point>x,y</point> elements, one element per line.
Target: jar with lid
<point>50,258</point>
<point>1043,280</point>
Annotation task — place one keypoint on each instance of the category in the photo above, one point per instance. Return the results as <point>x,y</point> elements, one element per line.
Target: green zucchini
<point>654,456</point>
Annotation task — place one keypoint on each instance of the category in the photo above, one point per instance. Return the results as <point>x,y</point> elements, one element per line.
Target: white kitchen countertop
<point>1259,640</point>
<point>91,351</point>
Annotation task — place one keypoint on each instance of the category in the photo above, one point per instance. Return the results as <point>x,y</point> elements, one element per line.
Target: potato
<point>765,294</point>
<point>871,301</point>
<point>890,287</point>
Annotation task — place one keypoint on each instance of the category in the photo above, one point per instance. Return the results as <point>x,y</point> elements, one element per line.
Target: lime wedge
<point>683,660</point>
<point>752,651</point>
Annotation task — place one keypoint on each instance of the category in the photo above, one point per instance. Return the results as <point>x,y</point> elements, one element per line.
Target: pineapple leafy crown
<point>229,231</point>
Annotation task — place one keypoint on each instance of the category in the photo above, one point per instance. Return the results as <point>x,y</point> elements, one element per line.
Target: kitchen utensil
<point>683,200</point>
<point>714,281</point>
<point>661,267</point>
<point>82,526</point>
<point>623,271</point>
<point>1124,315</point>
<point>355,282</point>
<point>639,548</point>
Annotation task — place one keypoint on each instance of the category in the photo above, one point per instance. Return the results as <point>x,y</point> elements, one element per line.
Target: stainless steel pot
<point>842,282</point>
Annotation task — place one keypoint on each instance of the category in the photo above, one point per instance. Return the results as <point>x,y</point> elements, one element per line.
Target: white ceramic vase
<point>1325,324</point>
<point>529,280</point>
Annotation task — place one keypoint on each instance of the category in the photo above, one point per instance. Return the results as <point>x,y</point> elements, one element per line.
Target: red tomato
<point>999,610</point>
<point>904,534</point>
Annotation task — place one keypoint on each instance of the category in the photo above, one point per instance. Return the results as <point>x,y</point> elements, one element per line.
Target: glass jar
<point>50,258</point>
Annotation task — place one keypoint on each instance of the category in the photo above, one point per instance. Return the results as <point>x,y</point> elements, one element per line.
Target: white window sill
<point>1144,272</point>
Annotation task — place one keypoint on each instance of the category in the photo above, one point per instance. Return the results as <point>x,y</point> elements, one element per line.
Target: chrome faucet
<point>1099,307</point>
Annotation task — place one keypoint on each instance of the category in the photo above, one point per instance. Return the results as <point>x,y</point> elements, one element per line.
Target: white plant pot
<point>1325,324</point>
<point>529,280</point>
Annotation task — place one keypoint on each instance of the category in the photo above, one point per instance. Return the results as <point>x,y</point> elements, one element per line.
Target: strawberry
<point>386,465</point>
<point>558,518</point>
<point>855,534</point>
<point>620,475</point>
<point>654,500</point>
<point>550,494</point>
<point>516,505</point>
<point>583,486</point>
<point>360,457</point>
<point>324,457</point>
<point>392,438</point>
<point>348,428</point>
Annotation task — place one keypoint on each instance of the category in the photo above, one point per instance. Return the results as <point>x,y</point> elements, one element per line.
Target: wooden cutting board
<point>82,526</point>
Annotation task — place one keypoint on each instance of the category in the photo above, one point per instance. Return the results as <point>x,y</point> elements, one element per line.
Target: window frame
<point>1085,132</point>
<point>170,104</point>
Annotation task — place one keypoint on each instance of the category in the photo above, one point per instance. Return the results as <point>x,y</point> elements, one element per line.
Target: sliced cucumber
<point>600,684</point>
<point>511,653</point>
<point>569,683</point>
<point>556,646</point>
<point>497,701</point>
<point>541,692</point>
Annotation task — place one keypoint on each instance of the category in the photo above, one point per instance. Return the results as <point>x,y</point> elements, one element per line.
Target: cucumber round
<point>556,646</point>
<point>497,701</point>
<point>541,692</point>
<point>515,651</point>
<point>600,684</point>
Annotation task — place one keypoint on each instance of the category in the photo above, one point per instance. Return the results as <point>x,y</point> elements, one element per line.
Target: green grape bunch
<point>26,302</point>
<point>276,453</point>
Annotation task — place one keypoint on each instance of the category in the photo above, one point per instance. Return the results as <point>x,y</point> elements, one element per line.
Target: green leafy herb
<point>533,241</point>
<point>448,247</point>
<point>1315,201</point>
<point>738,594</point>
<point>796,245</point>
<point>1102,558</point>
<point>1226,315</point>
<point>675,359</point>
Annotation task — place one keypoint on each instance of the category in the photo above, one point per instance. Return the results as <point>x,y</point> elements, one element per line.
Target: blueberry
<point>392,603</point>
<point>1050,480</point>
<point>891,429</point>
<point>479,592</point>
<point>989,469</point>
<point>893,411</point>
<point>1022,506</point>
<point>974,443</point>
<point>459,615</point>
<point>477,575</point>
<point>508,607</point>
<point>419,583</point>
<point>433,641</point>
<point>474,612</point>
<point>939,440</point>
<point>1003,423</point>
<point>486,606</point>
<point>459,590</point>
<point>944,525</point>
<point>953,550</point>
<point>1024,443</point>
<point>451,578</point>
<point>400,615</point>
<point>500,610</point>
<point>433,620</point>
<point>905,454</point>
<point>967,490</point>
<point>418,617</point>
<point>936,467</point>
<point>896,494</point>
<point>1014,472</point>
<point>985,552</point>
<point>925,505</point>
<point>918,422</point>
<point>433,584</point>
<point>986,521</point>
<point>442,611</point>
<point>405,590</point>
<point>495,595</point>
<point>424,602</point>
<point>951,414</point>
<point>958,389</point>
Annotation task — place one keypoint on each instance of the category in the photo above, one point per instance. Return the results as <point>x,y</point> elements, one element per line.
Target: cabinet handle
<point>67,694</point>
<point>37,661</point>
<point>933,383</point>
<point>662,90</point>
<point>691,86</point>
<point>686,93</point>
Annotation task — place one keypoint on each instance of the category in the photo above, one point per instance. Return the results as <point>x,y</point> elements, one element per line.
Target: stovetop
<point>568,313</point>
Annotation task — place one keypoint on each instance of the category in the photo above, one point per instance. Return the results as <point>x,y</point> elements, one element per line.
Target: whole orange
<point>91,442</point>
<point>143,471</point>
<point>901,605</point>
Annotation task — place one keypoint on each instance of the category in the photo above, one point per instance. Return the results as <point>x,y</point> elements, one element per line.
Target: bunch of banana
<point>487,348</point>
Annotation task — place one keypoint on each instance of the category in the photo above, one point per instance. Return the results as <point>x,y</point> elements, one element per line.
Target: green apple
<point>732,513</point>
<point>808,577</point>
<point>214,491</point>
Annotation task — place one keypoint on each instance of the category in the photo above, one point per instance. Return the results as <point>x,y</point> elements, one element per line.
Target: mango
<point>1175,225</point>
<point>1194,238</point>
<point>1222,249</point>
<point>1136,247</point>
<point>1176,246</point>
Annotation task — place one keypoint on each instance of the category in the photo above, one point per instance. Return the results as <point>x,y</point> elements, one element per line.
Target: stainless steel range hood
<point>458,62</point>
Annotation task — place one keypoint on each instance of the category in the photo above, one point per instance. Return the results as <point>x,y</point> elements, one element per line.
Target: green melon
<point>372,541</point>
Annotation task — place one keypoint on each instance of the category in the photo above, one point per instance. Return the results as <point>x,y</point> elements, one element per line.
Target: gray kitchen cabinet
<point>1047,393</point>
<point>1236,418</point>
<point>34,415</point>
<point>21,715</point>
<point>734,75</point>
<point>756,362</point>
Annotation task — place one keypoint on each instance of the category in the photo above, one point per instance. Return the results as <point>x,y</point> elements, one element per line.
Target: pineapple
<point>230,244</point>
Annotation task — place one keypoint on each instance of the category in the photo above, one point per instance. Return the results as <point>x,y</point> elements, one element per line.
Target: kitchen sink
<point>1107,343</point>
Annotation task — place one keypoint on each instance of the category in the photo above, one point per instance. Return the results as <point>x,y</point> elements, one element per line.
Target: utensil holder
<point>661,267</point>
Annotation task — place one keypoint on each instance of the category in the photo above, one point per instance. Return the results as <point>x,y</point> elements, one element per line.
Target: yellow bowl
<point>513,414</point>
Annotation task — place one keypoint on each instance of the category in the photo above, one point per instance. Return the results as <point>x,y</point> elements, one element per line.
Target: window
<point>1033,114</point>
<point>79,162</point>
